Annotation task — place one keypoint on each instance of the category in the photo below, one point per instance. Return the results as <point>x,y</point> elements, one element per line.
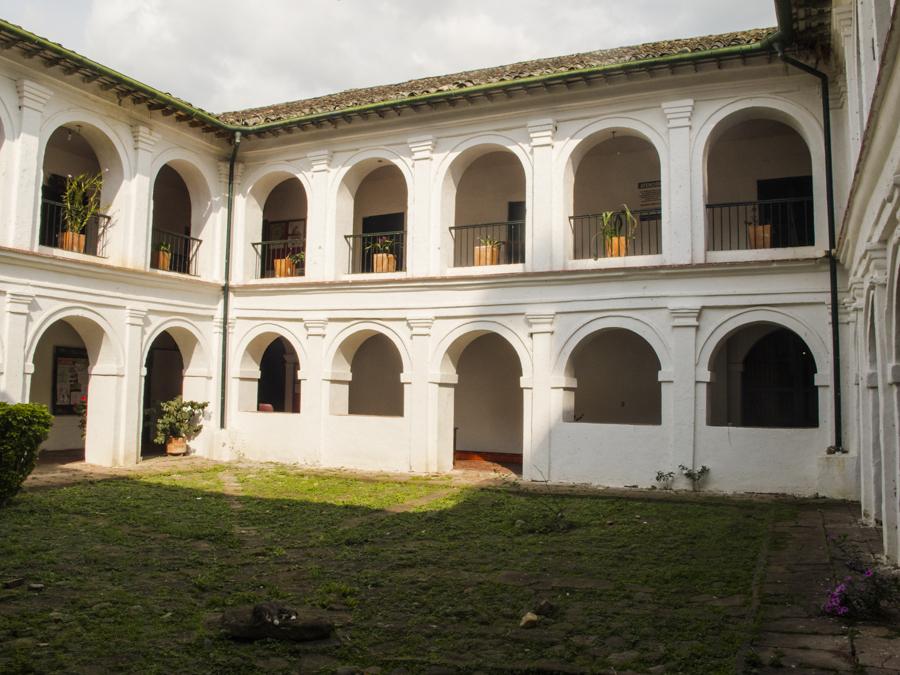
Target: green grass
<point>135,571</point>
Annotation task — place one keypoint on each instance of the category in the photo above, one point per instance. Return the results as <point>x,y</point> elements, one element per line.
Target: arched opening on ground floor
<point>163,381</point>
<point>375,386</point>
<point>617,374</point>
<point>270,376</point>
<point>763,375</point>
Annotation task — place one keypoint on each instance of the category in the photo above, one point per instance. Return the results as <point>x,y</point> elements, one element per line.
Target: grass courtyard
<point>419,575</point>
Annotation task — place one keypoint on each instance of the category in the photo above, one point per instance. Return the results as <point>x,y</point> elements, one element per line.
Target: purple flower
<point>868,573</point>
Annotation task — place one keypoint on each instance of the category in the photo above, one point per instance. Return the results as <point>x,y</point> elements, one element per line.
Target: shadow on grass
<point>136,569</point>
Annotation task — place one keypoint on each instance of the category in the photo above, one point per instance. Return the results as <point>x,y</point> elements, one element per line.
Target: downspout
<point>226,287</point>
<point>785,35</point>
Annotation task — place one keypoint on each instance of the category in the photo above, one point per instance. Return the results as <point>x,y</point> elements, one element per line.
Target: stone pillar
<point>423,235</point>
<point>536,453</point>
<point>683,240</point>
<point>131,407</point>
<point>320,235</point>
<point>106,406</point>
<point>314,401</point>
<point>419,404</point>
<point>25,189</point>
<point>685,383</point>
<point>137,252</point>
<point>15,371</point>
<point>544,241</point>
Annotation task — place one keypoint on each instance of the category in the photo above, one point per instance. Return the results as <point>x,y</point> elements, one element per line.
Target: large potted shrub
<point>487,252</point>
<point>81,203</point>
<point>178,422</point>
<point>287,266</point>
<point>23,427</point>
<point>383,258</point>
<point>616,228</point>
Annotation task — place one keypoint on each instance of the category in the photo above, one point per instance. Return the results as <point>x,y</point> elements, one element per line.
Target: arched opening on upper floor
<point>270,376</point>
<point>181,205</point>
<point>81,176</point>
<point>759,184</point>
<point>372,213</point>
<point>485,207</point>
<point>276,225</point>
<point>615,172</point>
<point>763,375</point>
<point>617,375</point>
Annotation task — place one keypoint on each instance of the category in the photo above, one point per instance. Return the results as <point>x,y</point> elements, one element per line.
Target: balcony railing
<point>91,240</point>
<point>772,223</point>
<point>379,252</point>
<point>488,244</point>
<point>280,258</point>
<point>589,241</point>
<point>174,252</point>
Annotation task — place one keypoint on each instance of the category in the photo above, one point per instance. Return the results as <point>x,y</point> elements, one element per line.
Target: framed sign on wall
<point>70,379</point>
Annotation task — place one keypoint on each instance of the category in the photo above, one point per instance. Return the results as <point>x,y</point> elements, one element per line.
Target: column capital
<point>842,19</point>
<point>18,302</point>
<point>145,138</point>
<point>422,147</point>
<point>217,325</point>
<point>540,323</point>
<point>679,112</point>
<point>223,171</point>
<point>315,327</point>
<point>685,317</point>
<point>32,95</point>
<point>420,326</point>
<point>542,131</point>
<point>320,160</point>
<point>134,316</point>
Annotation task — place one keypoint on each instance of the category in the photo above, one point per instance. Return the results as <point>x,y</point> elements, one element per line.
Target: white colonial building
<point>395,277</point>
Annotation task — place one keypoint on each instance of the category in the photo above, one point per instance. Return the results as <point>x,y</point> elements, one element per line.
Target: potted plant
<point>616,233</point>
<point>81,203</point>
<point>164,256</point>
<point>177,423</point>
<point>759,236</point>
<point>287,265</point>
<point>488,251</point>
<point>383,258</point>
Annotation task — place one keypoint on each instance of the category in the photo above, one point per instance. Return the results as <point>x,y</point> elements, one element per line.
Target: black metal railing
<point>174,252</point>
<point>54,232</point>
<point>771,223</point>
<point>280,258</point>
<point>488,244</point>
<point>379,252</point>
<point>590,242</point>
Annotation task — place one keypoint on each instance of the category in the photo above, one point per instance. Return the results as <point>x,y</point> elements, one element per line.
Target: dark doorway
<point>163,382</point>
<point>786,204</point>
<point>515,216</point>
<point>391,225</point>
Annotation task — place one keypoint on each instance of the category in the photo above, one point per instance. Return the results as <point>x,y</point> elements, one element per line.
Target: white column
<point>313,402</point>
<point>536,453</point>
<point>685,382</point>
<point>422,239</point>
<point>683,240</point>
<point>419,405</point>
<point>106,408</point>
<point>137,253</point>
<point>131,406</point>
<point>25,194</point>
<point>212,250</point>
<point>320,237</point>
<point>544,241</point>
<point>14,369</point>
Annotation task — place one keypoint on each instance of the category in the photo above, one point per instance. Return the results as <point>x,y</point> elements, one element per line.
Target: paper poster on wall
<point>650,192</point>
<point>70,379</point>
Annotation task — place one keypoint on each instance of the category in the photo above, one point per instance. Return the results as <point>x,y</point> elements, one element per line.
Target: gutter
<point>782,38</point>
<point>226,286</point>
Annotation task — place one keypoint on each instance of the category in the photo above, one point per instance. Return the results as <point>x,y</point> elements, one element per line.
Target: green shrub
<point>23,427</point>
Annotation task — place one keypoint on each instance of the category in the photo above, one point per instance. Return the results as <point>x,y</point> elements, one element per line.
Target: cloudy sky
<point>229,54</point>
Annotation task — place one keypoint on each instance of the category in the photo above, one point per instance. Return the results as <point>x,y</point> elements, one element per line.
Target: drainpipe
<point>226,287</point>
<point>783,9</point>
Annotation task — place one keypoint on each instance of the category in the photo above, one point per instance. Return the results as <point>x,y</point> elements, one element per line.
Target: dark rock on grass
<point>545,608</point>
<point>13,583</point>
<point>273,620</point>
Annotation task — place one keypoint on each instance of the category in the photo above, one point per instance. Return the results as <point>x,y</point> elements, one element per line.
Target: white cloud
<point>225,54</point>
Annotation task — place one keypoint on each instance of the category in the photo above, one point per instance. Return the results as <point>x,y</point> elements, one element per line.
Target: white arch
<point>278,170</point>
<point>578,144</point>
<point>445,357</point>
<point>8,120</point>
<point>189,339</point>
<point>103,347</point>
<point>721,331</point>
<point>643,329</point>
<point>254,342</point>
<point>355,168</point>
<point>893,300</point>
<point>340,352</point>
<point>490,143</point>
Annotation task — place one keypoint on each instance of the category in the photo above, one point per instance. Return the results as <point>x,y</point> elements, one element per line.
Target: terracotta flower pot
<point>759,236</point>
<point>71,241</point>
<point>284,267</point>
<point>615,246</point>
<point>176,446</point>
<point>487,255</point>
<point>384,262</point>
<point>163,260</point>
